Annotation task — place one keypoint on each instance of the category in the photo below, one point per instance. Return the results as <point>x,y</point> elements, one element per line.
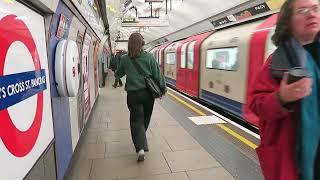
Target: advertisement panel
<point>85,74</point>
<point>26,127</point>
<point>95,64</point>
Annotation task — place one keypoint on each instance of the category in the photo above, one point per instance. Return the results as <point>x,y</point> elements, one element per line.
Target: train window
<point>223,58</point>
<point>190,56</point>
<point>183,55</point>
<point>171,58</point>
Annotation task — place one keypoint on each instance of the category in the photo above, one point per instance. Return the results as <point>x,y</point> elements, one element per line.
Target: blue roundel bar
<point>15,88</point>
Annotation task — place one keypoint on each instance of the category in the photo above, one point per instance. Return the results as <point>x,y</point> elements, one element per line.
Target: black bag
<point>152,87</point>
<point>150,84</point>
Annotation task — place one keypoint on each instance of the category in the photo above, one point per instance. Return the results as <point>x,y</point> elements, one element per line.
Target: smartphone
<point>297,73</point>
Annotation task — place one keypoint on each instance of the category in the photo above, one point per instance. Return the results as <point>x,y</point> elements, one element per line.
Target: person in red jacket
<point>288,105</point>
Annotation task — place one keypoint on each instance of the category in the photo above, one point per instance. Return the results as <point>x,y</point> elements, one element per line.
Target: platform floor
<point>106,151</point>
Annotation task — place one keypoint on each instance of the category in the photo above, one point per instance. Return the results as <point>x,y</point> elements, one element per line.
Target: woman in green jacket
<point>139,100</point>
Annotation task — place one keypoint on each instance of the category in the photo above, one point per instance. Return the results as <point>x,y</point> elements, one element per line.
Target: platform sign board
<point>128,20</point>
<point>26,127</point>
<point>146,22</point>
<point>249,12</point>
<point>258,9</point>
<point>269,5</point>
<point>158,1</point>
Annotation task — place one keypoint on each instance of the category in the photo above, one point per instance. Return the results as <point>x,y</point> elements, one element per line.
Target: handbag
<point>152,87</point>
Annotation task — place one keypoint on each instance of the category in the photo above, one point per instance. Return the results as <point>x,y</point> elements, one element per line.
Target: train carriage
<point>224,67</point>
<point>230,60</point>
<point>219,67</point>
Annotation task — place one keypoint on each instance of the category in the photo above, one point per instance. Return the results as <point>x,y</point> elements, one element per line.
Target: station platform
<point>179,149</point>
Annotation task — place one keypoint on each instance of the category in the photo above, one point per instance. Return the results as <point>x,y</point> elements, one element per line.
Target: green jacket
<point>134,80</point>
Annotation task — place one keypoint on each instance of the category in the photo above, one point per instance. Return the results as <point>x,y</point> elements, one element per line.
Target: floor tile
<point>190,160</point>
<point>114,136</point>
<point>210,174</point>
<point>169,131</point>
<point>92,151</point>
<point>128,167</point>
<point>178,143</point>
<point>116,149</point>
<point>173,176</point>
<point>80,170</point>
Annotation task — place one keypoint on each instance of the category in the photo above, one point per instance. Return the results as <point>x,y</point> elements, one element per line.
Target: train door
<point>181,67</point>
<point>192,69</point>
<point>191,74</point>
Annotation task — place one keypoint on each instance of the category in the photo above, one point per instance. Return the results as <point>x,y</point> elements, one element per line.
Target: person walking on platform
<point>116,64</point>
<point>113,67</point>
<point>286,96</point>
<point>139,100</point>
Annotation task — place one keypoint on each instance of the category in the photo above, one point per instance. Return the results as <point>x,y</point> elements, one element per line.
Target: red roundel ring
<point>19,143</point>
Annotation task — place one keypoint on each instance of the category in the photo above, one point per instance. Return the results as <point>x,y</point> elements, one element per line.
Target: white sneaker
<point>141,155</point>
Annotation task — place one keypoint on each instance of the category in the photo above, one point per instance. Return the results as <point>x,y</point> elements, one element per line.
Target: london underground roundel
<point>19,143</point>
<point>26,127</point>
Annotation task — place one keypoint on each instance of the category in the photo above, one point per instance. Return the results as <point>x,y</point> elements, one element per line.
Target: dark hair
<point>283,29</point>
<point>135,45</point>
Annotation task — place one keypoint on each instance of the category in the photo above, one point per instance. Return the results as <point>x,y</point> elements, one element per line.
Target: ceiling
<point>180,13</point>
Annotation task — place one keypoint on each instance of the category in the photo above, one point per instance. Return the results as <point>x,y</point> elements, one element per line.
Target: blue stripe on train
<point>170,81</point>
<point>223,102</point>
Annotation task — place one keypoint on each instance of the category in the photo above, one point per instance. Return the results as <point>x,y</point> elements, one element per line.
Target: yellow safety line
<point>228,130</point>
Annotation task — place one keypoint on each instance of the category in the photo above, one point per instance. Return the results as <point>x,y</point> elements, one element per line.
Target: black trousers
<point>140,104</point>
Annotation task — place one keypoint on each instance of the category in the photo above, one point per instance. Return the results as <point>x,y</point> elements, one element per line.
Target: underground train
<point>219,67</point>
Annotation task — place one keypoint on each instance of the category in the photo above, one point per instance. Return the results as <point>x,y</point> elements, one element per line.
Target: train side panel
<point>224,67</point>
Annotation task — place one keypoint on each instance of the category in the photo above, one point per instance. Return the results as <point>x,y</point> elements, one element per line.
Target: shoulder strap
<point>138,68</point>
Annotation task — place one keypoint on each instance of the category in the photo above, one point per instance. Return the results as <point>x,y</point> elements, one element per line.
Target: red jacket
<point>276,152</point>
